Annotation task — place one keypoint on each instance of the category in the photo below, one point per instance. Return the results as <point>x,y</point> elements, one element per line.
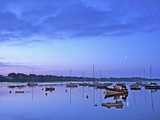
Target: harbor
<point>47,100</point>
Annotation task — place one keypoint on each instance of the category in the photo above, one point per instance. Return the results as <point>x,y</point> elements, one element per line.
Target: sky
<point>66,37</point>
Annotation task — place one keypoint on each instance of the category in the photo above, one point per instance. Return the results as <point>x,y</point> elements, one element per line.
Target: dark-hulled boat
<point>135,86</point>
<point>152,86</point>
<point>50,89</point>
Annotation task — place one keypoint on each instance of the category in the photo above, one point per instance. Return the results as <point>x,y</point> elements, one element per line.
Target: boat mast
<point>150,71</point>
<point>32,86</point>
<point>94,74</point>
<point>94,87</point>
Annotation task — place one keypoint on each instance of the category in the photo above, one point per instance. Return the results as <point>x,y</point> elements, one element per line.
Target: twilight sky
<point>66,37</point>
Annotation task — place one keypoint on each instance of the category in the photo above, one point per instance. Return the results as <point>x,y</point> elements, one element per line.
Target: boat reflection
<point>118,93</point>
<point>109,95</point>
<point>116,104</point>
<point>19,91</point>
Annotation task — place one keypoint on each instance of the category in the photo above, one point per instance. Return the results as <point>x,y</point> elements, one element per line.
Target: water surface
<point>82,103</point>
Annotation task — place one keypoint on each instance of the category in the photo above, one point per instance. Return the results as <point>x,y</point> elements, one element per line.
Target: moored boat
<point>117,88</point>
<point>103,85</point>
<point>50,89</point>
<point>72,85</point>
<point>115,93</point>
<point>83,84</point>
<point>135,86</point>
<point>152,86</point>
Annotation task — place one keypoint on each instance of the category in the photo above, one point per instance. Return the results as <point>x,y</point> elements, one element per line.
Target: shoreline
<point>21,77</point>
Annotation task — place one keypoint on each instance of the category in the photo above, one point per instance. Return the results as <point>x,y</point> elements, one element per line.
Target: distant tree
<point>12,74</point>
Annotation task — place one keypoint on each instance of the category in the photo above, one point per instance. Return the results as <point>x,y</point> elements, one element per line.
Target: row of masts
<point>94,76</point>
<point>143,75</point>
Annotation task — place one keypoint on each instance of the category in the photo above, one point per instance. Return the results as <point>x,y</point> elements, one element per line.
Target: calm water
<point>82,103</point>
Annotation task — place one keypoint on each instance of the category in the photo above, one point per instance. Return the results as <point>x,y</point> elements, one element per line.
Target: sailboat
<point>135,86</point>
<point>152,85</point>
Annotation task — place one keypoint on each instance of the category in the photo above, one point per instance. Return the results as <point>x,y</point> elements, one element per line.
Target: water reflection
<point>72,97</point>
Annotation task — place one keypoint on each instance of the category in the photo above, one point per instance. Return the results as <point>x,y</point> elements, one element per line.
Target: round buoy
<point>87,96</point>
